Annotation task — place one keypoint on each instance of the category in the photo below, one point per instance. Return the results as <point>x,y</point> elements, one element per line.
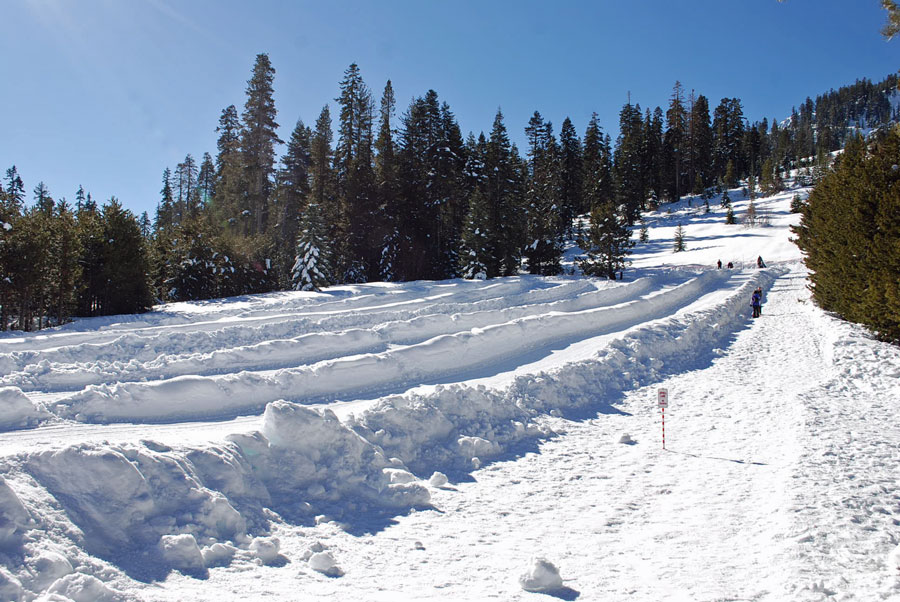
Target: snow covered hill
<point>464,440</point>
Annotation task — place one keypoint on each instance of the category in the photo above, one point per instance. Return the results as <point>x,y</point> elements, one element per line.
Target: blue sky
<point>108,93</point>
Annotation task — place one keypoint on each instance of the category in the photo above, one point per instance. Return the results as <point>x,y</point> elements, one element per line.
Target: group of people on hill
<point>759,263</point>
<point>756,298</point>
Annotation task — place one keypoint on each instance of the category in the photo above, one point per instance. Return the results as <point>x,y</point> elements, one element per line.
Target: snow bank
<point>469,348</point>
<point>18,411</point>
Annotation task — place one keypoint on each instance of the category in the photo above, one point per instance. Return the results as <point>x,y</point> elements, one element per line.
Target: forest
<point>383,197</point>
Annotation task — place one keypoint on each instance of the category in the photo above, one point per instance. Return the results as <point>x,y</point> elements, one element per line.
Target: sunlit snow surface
<point>464,440</point>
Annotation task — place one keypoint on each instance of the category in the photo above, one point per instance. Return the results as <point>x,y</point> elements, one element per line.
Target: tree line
<point>381,197</point>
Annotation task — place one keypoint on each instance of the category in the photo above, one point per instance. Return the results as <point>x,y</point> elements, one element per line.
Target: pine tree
<point>354,157</point>
<point>258,140</point>
<point>571,184</point>
<point>628,166</point>
<point>701,145</point>
<point>206,182</point>
<point>323,192</point>
<point>388,186</point>
<point>645,234</point>
<point>194,274</point>
<point>678,243</point>
<point>66,272</point>
<point>675,142</point>
<point>310,271</point>
<point>292,192</point>
<point>607,243</point>
<point>124,287</point>
<point>229,199</point>
<point>505,224</point>
<point>598,189</point>
<point>477,242</point>
<point>544,249</point>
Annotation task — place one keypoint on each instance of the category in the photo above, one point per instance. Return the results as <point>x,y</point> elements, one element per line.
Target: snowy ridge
<point>477,341</point>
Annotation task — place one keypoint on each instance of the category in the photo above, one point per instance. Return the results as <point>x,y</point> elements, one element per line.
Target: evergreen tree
<point>258,140</point>
<point>194,274</point>
<point>701,145</point>
<point>571,184</point>
<point>645,234</point>
<point>388,186</point>
<point>66,271</point>
<point>323,192</point>
<point>206,182</point>
<point>310,270</point>
<point>124,286</point>
<point>728,133</point>
<point>678,243</point>
<point>292,193</point>
<point>653,155</point>
<point>598,189</point>
<point>544,248</point>
<point>501,189</point>
<point>607,243</point>
<point>356,177</point>
<point>229,200</point>
<point>674,145</point>
<point>477,242</point>
<point>629,174</point>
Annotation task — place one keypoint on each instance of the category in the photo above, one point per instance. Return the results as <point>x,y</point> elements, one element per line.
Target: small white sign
<point>663,397</point>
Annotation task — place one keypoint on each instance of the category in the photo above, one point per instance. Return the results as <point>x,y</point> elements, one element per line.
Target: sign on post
<point>662,397</point>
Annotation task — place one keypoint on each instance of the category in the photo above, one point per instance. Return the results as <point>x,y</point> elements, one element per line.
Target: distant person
<point>730,265</point>
<point>756,302</point>
<point>760,263</point>
<point>719,265</point>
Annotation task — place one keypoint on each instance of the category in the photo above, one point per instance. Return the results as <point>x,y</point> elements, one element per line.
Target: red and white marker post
<point>663,398</point>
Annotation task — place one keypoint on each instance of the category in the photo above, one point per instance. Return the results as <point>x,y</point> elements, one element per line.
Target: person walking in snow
<point>719,264</point>
<point>760,263</point>
<point>756,302</point>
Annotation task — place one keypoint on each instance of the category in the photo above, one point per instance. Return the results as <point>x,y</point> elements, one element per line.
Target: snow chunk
<point>14,518</point>
<point>218,554</point>
<point>181,552</point>
<point>542,576</point>
<point>18,411</point>
<point>438,479</point>
<point>10,586</point>
<point>79,587</point>
<point>324,563</point>
<point>266,549</point>
<point>626,439</point>
<point>47,567</point>
<point>470,447</point>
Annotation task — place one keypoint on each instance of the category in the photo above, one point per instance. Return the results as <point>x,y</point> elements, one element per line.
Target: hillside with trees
<point>367,195</point>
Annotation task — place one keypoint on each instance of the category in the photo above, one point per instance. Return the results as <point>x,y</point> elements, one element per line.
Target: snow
<point>464,439</point>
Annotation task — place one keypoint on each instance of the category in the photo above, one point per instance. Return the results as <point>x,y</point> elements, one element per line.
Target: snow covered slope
<point>463,439</point>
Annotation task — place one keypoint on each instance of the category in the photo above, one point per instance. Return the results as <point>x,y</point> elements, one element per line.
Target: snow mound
<point>79,587</point>
<point>181,552</point>
<point>626,439</point>
<point>18,411</point>
<point>438,479</point>
<point>128,497</point>
<point>266,549</point>
<point>306,450</point>
<point>541,576</point>
<point>324,563</point>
